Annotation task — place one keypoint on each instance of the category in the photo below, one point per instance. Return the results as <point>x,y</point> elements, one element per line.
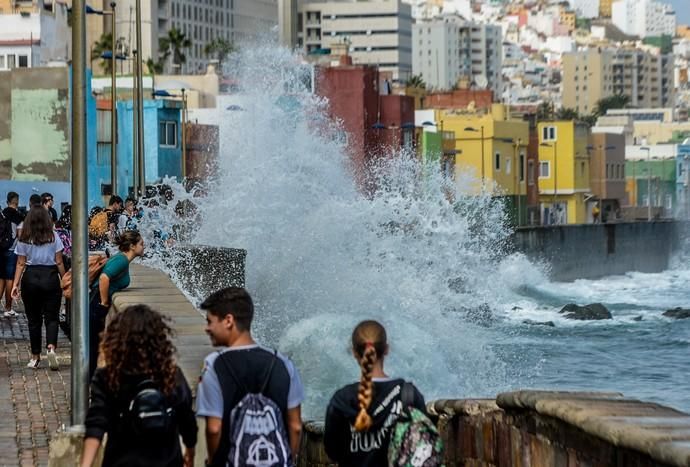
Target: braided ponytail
<point>366,389</point>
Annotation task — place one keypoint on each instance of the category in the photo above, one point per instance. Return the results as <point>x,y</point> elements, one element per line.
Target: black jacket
<point>366,449</point>
<point>125,449</point>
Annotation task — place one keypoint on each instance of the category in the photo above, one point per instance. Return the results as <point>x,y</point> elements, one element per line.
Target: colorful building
<point>683,182</point>
<point>652,170</point>
<point>493,149</point>
<point>564,172</point>
<point>607,173</point>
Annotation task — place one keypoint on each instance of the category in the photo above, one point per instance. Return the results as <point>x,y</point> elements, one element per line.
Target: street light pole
<point>80,252</point>
<point>135,129</point>
<point>113,106</point>
<point>184,134</point>
<point>140,105</point>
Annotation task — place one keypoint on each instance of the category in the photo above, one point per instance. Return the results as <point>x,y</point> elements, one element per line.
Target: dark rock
<point>539,323</point>
<point>516,308</point>
<point>593,311</point>
<point>637,318</point>
<point>677,313</point>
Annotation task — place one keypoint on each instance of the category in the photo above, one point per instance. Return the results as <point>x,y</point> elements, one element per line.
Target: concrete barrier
<point>548,429</point>
<point>591,251</point>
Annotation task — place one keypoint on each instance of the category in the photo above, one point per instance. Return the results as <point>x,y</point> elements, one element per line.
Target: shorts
<point>8,265</point>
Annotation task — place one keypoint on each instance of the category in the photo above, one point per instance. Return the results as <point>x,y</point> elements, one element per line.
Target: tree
<point>567,114</point>
<point>416,81</point>
<point>174,44</point>
<point>104,44</point>
<point>617,101</point>
<point>155,68</point>
<point>220,48</point>
<point>545,111</point>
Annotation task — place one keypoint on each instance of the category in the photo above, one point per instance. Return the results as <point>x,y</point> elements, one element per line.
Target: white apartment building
<point>200,20</point>
<point>643,18</point>
<point>33,35</point>
<point>378,32</point>
<point>447,48</point>
<point>585,8</point>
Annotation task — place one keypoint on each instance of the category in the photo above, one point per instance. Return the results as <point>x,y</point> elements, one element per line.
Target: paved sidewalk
<point>33,403</point>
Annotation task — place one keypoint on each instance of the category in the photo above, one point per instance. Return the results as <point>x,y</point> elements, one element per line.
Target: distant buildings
<point>643,18</point>
<point>449,50</point>
<point>592,74</point>
<point>377,32</point>
<point>586,8</point>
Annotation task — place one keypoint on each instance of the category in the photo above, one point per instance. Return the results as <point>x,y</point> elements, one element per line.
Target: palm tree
<point>104,44</point>
<point>174,43</point>
<point>155,68</point>
<point>416,81</point>
<point>221,48</point>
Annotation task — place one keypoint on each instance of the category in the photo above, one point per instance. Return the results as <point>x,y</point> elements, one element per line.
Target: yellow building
<point>564,188</point>
<point>605,8</point>
<point>492,148</point>
<point>567,18</point>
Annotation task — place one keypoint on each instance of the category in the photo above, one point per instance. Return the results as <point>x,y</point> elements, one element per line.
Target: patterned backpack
<point>415,441</point>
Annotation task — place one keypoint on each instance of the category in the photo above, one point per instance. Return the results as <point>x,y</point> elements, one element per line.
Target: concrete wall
<point>590,251</point>
<point>547,429</point>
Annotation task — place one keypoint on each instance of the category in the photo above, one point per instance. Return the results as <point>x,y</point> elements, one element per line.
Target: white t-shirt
<point>40,255</point>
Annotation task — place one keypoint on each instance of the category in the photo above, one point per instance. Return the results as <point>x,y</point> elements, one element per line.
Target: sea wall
<point>590,251</point>
<point>548,429</point>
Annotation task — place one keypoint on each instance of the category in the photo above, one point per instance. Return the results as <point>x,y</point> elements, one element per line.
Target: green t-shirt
<point>117,269</point>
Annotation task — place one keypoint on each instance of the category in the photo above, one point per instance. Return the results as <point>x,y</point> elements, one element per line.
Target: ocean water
<point>420,254</point>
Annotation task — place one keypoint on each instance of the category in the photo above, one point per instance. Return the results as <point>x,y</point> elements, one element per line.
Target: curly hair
<point>139,341</point>
<point>369,343</point>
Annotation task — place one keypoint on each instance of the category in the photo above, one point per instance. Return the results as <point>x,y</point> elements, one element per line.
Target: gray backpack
<point>257,432</point>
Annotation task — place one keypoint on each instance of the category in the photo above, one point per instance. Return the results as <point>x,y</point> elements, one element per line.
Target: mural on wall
<point>34,134</point>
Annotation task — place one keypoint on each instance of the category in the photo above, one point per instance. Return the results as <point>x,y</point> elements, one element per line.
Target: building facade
<point>643,18</point>
<point>448,49</point>
<point>607,172</point>
<point>586,8</point>
<point>201,22</point>
<point>589,75</point>
<point>564,172</point>
<point>377,32</point>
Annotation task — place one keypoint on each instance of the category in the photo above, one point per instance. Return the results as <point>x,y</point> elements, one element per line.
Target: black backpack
<point>6,235</point>
<point>148,413</point>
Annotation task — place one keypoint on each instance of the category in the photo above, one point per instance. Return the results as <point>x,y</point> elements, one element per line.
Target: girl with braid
<point>360,415</point>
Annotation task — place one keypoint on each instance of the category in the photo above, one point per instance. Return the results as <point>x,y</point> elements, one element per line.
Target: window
<point>544,169</point>
<point>167,134</point>
<point>582,169</point>
<point>548,133</point>
<point>23,61</point>
<point>530,173</point>
<point>11,61</point>
<point>522,168</point>
<point>497,162</point>
<point>669,202</point>
<point>508,165</point>
<point>2,63</point>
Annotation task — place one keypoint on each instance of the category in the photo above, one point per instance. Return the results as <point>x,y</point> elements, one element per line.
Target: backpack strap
<point>407,394</point>
<point>232,372</point>
<point>270,370</point>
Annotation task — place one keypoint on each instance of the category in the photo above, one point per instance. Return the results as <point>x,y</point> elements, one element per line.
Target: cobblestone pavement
<point>34,403</point>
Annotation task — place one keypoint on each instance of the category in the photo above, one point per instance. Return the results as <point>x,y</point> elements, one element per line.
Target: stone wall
<point>590,251</point>
<point>548,429</point>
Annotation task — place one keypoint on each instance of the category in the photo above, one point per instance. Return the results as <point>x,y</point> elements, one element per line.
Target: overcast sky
<point>682,8</point>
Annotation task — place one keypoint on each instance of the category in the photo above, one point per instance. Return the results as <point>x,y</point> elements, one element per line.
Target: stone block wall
<point>548,429</point>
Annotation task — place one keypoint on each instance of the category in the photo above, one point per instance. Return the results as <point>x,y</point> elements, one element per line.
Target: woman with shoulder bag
<point>139,353</point>
<point>37,280</point>
<point>113,278</point>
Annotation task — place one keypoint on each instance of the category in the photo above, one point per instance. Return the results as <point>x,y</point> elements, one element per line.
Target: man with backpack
<point>249,395</point>
<point>102,225</point>
<point>10,219</point>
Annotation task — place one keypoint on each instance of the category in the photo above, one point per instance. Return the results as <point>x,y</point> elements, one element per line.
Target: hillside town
<point>572,111</point>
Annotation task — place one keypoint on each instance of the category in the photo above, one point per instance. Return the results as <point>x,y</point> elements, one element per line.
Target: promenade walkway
<point>34,404</point>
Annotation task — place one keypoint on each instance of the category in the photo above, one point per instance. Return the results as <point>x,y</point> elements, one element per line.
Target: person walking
<point>240,370</point>
<point>63,227</point>
<point>113,278</point>
<point>12,219</point>
<point>139,356</point>
<point>48,201</point>
<point>37,279</point>
<point>354,435</point>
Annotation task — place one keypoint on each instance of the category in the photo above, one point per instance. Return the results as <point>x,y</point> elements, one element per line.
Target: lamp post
<point>140,104</point>
<point>649,182</point>
<point>555,172</point>
<point>113,107</point>
<point>481,137</point>
<point>80,287</point>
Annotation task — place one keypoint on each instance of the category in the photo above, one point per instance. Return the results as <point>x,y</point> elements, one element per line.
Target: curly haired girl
<point>360,415</point>
<point>137,347</point>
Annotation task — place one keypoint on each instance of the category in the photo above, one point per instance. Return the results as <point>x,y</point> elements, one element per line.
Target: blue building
<point>162,148</point>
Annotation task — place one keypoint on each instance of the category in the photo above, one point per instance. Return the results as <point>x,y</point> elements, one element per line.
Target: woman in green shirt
<point>114,277</point>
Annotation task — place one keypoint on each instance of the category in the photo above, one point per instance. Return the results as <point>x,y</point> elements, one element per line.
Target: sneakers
<point>53,363</point>
<point>33,363</point>
<point>10,314</point>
